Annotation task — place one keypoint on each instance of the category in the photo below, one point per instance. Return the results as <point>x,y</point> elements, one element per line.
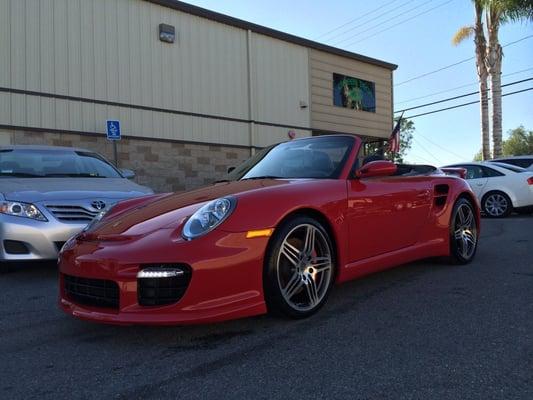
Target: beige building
<point>195,91</point>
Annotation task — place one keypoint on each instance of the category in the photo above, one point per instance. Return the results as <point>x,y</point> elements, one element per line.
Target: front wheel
<point>463,232</point>
<point>497,205</point>
<point>299,268</point>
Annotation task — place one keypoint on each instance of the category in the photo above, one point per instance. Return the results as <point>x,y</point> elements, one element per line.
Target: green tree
<point>407,128</point>
<point>478,156</point>
<point>519,143</point>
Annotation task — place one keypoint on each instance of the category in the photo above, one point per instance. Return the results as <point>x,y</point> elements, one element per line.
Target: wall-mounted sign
<point>167,33</point>
<point>354,93</point>
<point>113,129</point>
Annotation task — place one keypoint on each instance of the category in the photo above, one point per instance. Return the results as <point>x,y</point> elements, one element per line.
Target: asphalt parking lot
<point>426,330</point>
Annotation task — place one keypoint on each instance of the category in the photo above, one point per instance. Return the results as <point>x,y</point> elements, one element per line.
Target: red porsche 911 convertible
<point>285,226</point>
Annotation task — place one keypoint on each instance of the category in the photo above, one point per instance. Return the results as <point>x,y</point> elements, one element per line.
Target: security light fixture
<point>167,33</point>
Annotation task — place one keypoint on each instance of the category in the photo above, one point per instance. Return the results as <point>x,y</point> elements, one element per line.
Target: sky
<point>417,44</point>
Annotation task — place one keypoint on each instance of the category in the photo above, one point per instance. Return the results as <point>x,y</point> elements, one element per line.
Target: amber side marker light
<point>259,233</point>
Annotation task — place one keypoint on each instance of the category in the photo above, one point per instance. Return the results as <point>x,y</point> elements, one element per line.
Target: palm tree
<point>489,56</point>
<point>478,32</point>
<point>498,12</point>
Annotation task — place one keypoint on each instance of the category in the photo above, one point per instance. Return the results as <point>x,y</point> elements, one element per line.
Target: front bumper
<point>35,240</point>
<point>225,283</point>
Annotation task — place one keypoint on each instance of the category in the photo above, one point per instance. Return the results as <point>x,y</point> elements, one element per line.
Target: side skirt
<point>433,248</point>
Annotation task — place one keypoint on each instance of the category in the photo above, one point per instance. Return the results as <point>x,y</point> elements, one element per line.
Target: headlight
<point>19,209</point>
<point>208,217</point>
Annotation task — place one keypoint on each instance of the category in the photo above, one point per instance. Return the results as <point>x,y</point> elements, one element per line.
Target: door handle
<point>479,184</point>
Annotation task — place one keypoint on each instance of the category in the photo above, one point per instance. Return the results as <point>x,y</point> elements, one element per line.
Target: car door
<point>475,178</point>
<point>385,213</point>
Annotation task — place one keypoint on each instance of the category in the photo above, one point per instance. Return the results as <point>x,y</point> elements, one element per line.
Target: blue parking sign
<point>113,129</point>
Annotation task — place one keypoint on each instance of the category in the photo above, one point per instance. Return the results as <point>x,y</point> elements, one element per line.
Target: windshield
<point>24,163</point>
<point>317,157</point>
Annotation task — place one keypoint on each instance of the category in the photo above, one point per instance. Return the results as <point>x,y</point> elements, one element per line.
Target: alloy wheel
<point>304,267</point>
<point>465,231</point>
<point>496,205</point>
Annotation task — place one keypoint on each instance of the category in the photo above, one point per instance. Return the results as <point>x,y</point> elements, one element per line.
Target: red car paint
<point>375,223</point>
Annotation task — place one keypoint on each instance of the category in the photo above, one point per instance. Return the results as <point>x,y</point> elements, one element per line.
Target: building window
<point>354,93</point>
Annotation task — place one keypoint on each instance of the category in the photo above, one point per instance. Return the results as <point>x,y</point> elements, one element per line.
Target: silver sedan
<point>49,194</point>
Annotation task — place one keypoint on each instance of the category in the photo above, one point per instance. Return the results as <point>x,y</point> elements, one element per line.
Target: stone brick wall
<point>164,166</point>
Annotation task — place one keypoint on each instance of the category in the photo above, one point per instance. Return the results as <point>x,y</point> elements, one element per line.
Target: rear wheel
<point>496,205</point>
<point>463,232</point>
<point>299,268</point>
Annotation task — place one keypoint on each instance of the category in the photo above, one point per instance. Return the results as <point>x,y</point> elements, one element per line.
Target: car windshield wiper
<point>21,174</point>
<point>74,175</point>
<point>222,181</point>
<point>263,177</point>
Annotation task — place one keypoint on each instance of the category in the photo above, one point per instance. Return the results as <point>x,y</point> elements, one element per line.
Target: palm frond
<point>463,33</point>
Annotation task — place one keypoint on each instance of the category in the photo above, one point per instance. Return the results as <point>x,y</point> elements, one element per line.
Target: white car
<point>500,188</point>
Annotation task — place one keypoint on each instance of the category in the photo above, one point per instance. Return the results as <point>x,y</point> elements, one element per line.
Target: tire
<point>463,232</point>
<point>496,204</point>
<point>297,276</point>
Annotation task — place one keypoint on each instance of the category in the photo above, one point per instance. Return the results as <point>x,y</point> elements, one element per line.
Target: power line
<point>464,104</point>
<point>458,87</point>
<point>426,150</point>
<point>458,97</point>
<point>353,20</point>
<point>442,148</point>
<point>374,19</point>
<point>456,63</point>
<point>388,20</point>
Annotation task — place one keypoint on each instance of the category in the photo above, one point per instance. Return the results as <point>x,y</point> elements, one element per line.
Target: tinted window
<point>521,162</point>
<point>490,173</point>
<point>321,157</point>
<point>55,163</point>
<point>510,167</point>
<point>473,171</point>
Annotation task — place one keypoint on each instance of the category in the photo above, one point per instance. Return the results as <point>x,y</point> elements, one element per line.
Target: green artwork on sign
<point>354,93</point>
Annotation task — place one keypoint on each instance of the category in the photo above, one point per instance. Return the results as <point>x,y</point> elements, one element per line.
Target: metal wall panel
<point>109,50</point>
<point>327,117</point>
<point>280,81</point>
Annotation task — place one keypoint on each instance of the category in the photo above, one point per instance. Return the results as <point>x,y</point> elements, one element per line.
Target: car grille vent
<point>440,195</point>
<point>70,213</point>
<point>163,291</point>
<point>92,292</point>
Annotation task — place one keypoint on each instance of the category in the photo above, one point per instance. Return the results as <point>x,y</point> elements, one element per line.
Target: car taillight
<point>530,180</point>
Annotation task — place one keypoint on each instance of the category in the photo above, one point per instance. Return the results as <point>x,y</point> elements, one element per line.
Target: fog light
<point>159,272</point>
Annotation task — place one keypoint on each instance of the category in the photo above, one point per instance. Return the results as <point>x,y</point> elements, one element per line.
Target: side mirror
<point>230,169</point>
<point>376,168</point>
<point>127,173</point>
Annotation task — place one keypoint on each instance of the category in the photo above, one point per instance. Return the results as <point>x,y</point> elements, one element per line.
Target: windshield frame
<point>241,171</point>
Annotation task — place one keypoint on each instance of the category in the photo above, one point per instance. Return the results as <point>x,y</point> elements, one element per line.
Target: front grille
<point>92,292</point>
<point>15,247</point>
<point>163,291</point>
<point>71,213</point>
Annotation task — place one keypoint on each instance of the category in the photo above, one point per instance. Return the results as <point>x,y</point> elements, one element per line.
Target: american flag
<point>394,139</point>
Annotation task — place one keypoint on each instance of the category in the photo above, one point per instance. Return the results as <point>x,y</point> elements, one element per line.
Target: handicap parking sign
<point>113,129</point>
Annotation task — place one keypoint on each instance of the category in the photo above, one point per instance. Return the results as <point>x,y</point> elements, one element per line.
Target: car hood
<point>173,209</point>
<point>34,190</point>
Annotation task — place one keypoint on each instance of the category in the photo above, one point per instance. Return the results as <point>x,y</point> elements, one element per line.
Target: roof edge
<point>287,37</point>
